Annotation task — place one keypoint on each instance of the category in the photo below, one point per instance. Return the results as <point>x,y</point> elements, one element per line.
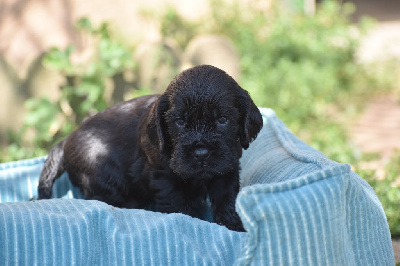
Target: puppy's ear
<point>250,117</point>
<point>156,126</point>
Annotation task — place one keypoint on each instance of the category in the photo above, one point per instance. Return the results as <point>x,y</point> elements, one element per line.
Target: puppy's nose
<point>200,152</point>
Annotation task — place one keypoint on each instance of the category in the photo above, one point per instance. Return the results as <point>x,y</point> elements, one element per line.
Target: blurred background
<point>329,69</point>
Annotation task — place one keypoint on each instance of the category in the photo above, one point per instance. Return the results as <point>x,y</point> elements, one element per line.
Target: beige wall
<point>29,27</point>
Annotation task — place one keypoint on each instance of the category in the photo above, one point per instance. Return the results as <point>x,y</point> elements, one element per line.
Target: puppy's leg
<point>105,183</point>
<point>223,192</point>
<point>174,195</point>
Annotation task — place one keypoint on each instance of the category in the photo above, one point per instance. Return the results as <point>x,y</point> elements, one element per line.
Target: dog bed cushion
<point>297,206</point>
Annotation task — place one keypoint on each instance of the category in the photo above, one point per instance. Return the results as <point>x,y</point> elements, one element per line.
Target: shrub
<point>82,94</point>
<point>388,191</point>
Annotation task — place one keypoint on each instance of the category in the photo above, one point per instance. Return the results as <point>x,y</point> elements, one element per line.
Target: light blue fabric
<point>298,208</point>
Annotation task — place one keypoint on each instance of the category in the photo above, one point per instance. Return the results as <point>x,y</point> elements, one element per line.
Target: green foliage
<point>301,66</point>
<point>388,191</point>
<point>82,94</point>
<point>175,27</point>
<point>86,82</point>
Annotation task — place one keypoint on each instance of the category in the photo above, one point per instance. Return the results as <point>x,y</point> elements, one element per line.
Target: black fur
<point>172,150</point>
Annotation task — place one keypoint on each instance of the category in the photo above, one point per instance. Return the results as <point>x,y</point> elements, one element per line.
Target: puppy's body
<point>172,150</point>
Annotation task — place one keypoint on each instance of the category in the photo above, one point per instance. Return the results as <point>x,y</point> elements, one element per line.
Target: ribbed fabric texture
<point>298,208</point>
<point>79,232</point>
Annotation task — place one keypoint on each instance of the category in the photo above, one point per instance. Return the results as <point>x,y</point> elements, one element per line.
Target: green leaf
<point>59,59</point>
<point>84,23</point>
<point>41,112</point>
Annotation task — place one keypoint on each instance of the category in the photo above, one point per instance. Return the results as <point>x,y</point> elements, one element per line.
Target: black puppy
<point>172,150</point>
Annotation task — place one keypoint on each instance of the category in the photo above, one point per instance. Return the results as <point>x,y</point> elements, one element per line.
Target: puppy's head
<point>202,122</point>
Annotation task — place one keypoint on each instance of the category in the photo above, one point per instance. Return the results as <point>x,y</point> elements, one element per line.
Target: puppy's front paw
<point>236,227</point>
<point>231,221</point>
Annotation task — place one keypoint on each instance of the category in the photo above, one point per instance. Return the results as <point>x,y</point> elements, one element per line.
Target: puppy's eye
<point>180,122</point>
<point>222,120</point>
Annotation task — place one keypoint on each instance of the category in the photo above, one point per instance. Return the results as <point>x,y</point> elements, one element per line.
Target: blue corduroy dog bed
<point>297,206</point>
